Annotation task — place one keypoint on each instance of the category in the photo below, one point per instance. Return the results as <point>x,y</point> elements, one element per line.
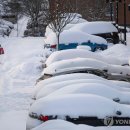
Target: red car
<point>1,50</point>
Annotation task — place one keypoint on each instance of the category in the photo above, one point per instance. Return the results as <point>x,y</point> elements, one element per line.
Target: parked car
<point>65,77</point>
<point>71,39</point>
<point>77,108</point>
<point>86,86</point>
<point>81,53</point>
<point>87,65</point>
<point>99,28</point>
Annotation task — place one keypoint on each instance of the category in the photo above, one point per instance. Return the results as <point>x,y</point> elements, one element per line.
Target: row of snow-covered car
<point>81,87</point>
<point>5,27</point>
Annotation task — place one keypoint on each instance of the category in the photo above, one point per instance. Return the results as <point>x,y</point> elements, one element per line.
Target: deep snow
<point>18,73</point>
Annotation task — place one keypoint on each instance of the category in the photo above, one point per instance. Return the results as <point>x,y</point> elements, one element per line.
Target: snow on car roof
<point>70,36</point>
<point>50,88</point>
<point>76,53</point>
<point>72,105</point>
<point>65,77</point>
<point>95,27</point>
<point>94,88</point>
<point>75,63</point>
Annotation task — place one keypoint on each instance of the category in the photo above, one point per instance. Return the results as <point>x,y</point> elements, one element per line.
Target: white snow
<point>66,77</point>
<point>80,53</point>
<point>70,36</point>
<point>84,47</point>
<point>22,23</point>
<point>73,64</point>
<point>97,27</point>
<point>50,88</point>
<point>13,120</point>
<point>117,51</point>
<point>76,105</point>
<point>64,125</point>
<point>94,88</point>
<point>21,67</point>
<point>18,73</point>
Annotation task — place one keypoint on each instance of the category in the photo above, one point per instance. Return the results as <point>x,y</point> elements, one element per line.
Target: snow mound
<point>118,50</point>
<point>25,69</point>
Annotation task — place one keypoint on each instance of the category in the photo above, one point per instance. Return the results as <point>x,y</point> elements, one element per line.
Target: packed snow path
<point>18,73</point>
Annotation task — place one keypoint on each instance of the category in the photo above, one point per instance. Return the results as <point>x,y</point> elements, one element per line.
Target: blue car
<point>93,46</point>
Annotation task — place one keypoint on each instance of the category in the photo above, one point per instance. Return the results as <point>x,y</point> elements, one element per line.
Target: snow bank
<point>117,51</point>
<point>28,68</point>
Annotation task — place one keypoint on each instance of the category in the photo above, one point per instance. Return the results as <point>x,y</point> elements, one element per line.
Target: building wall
<point>121,13</point>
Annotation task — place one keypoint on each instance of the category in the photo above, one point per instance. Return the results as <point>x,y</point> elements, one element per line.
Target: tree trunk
<point>58,41</point>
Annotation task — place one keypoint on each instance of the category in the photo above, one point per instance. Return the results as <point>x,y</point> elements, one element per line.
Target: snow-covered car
<point>66,77</point>
<point>81,53</point>
<point>99,28</point>
<point>78,108</point>
<point>87,86</point>
<point>45,87</point>
<point>87,65</point>
<point>71,39</point>
<point>63,65</point>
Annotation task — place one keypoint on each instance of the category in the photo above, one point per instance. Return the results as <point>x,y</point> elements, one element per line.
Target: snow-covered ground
<point>18,73</point>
